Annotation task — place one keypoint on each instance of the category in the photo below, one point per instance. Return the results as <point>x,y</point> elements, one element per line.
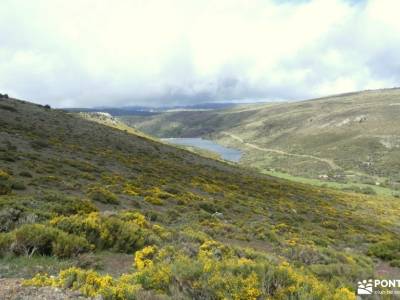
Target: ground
<point>12,289</point>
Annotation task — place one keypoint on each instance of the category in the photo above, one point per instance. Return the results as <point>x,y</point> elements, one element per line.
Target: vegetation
<point>350,138</point>
<point>221,231</point>
<point>102,195</point>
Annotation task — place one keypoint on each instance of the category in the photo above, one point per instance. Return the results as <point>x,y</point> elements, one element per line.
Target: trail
<point>250,145</point>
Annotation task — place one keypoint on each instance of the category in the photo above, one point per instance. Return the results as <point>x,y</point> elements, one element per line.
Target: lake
<point>226,153</point>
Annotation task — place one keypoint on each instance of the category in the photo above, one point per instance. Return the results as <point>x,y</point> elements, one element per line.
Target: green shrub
<point>209,207</point>
<point>9,217</point>
<point>25,174</point>
<point>5,243</point>
<point>5,187</point>
<point>368,190</point>
<point>4,175</point>
<point>153,200</point>
<point>69,245</point>
<point>387,250</point>
<point>9,156</point>
<point>395,263</point>
<point>40,144</point>
<point>102,195</point>
<point>40,239</point>
<point>104,232</point>
<point>60,204</point>
<point>18,185</point>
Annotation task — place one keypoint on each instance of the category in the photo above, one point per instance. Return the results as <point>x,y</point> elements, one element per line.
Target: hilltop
<point>110,212</point>
<point>352,137</point>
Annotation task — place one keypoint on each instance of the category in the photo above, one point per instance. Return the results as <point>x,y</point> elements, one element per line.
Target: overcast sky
<point>134,52</point>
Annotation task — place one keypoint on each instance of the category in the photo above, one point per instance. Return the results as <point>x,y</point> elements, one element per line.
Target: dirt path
<point>239,139</point>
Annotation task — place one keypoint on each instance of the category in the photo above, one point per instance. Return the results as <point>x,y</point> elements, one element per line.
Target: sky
<point>178,52</point>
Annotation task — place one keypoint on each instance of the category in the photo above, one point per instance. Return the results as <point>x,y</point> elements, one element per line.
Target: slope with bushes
<point>352,138</point>
<point>106,212</point>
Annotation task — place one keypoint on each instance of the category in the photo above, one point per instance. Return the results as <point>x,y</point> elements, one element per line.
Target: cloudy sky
<point>135,52</point>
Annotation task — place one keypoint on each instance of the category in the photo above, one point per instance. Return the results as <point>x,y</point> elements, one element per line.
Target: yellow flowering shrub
<point>162,232</point>
<point>130,190</point>
<point>153,200</point>
<point>156,196</point>
<point>5,185</point>
<point>4,175</point>
<point>143,258</point>
<point>102,194</point>
<point>155,277</point>
<point>135,218</point>
<point>105,232</point>
<point>40,280</point>
<point>212,249</point>
<point>206,275</point>
<point>343,294</point>
<point>228,279</point>
<point>89,283</point>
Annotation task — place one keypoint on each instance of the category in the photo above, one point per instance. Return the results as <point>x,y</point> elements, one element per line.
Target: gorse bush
<point>15,211</point>
<point>143,258</point>
<point>5,184</point>
<point>5,187</point>
<point>215,272</point>
<point>90,284</point>
<point>4,175</point>
<point>125,232</point>
<point>64,205</point>
<point>70,245</point>
<point>103,232</point>
<point>153,200</point>
<point>5,242</point>
<point>156,196</point>
<point>12,217</point>
<point>102,195</point>
<point>18,185</point>
<point>387,250</point>
<point>25,174</point>
<point>40,239</point>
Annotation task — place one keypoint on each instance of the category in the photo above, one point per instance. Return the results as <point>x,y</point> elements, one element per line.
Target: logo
<point>365,287</point>
<point>378,287</point>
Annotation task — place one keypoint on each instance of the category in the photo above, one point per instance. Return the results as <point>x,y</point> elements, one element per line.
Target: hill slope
<point>78,195</point>
<point>355,135</point>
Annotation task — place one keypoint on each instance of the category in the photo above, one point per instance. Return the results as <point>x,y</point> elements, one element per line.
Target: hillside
<point>349,137</point>
<point>127,217</point>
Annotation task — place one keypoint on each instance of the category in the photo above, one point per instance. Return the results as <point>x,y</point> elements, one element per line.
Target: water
<point>226,153</point>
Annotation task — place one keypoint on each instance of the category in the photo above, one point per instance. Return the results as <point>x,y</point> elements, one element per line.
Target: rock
<point>218,215</point>
<point>360,119</point>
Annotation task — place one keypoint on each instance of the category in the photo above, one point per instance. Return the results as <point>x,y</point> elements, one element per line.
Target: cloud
<point>124,52</point>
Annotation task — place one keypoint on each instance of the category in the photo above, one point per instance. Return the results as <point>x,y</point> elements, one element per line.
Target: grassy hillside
<point>347,138</point>
<point>112,213</point>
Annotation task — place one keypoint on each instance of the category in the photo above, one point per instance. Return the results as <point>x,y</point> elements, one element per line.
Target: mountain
<point>105,211</point>
<point>351,137</point>
<point>148,110</point>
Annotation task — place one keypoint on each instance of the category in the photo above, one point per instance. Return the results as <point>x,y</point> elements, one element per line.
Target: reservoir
<point>226,153</point>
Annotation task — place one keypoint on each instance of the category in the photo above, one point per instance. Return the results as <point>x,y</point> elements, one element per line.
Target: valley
<point>350,139</point>
<point>103,211</point>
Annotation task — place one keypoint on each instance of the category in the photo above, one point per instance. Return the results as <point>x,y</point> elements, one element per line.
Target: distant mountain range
<point>148,110</point>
